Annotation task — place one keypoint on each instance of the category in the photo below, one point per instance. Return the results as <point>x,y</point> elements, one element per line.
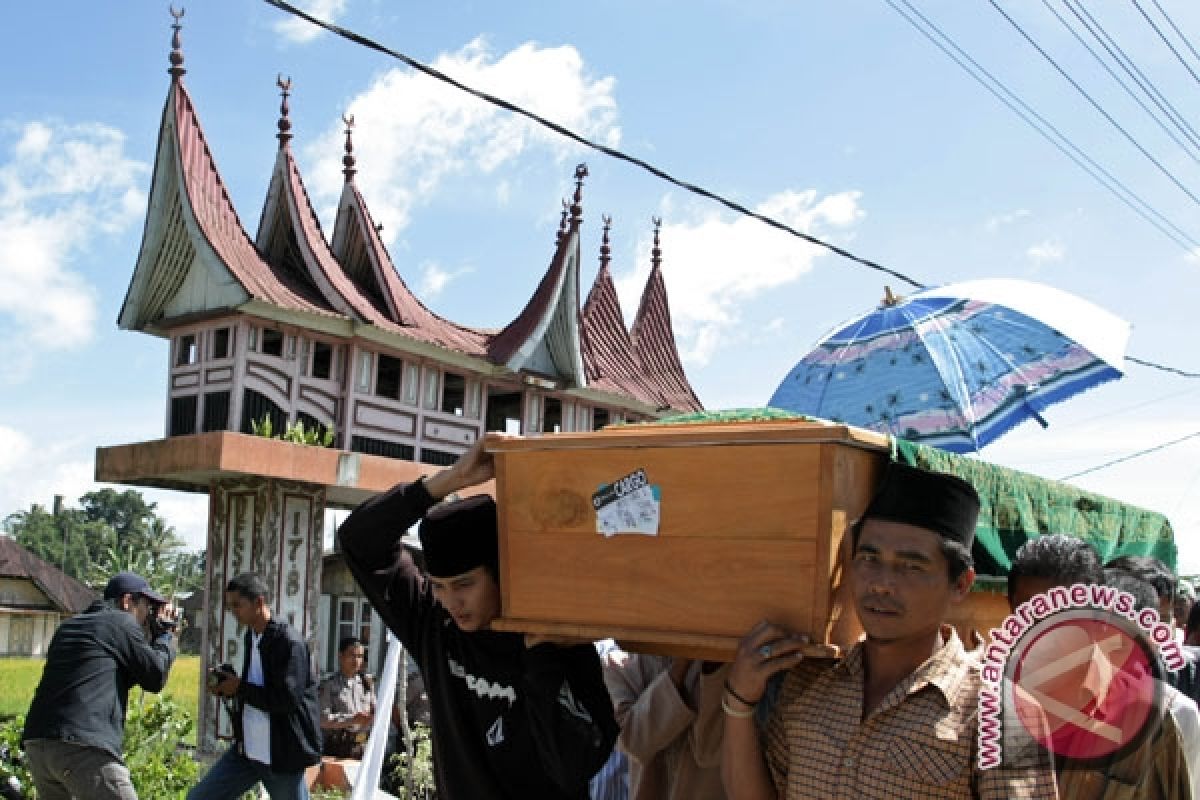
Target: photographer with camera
<point>76,723</point>
<point>276,720</point>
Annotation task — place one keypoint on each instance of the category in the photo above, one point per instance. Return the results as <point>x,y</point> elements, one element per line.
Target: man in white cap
<point>76,723</point>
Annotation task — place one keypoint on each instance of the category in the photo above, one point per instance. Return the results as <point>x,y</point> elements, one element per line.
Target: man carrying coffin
<point>512,716</point>
<point>897,716</point>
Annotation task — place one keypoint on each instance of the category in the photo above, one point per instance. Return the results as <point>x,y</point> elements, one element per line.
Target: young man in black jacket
<point>276,719</point>
<point>76,723</point>
<point>513,717</point>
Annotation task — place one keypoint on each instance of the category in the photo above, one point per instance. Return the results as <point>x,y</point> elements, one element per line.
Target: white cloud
<point>1194,255</point>
<point>66,466</point>
<point>722,263</point>
<point>435,278</point>
<point>61,186</point>
<point>1000,220</point>
<point>301,31</point>
<point>412,132</point>
<point>1046,252</point>
<point>14,447</point>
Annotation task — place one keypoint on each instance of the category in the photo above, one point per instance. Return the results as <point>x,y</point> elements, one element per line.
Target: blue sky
<point>837,117</point>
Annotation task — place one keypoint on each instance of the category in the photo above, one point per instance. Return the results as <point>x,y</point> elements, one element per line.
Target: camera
<point>158,623</point>
<point>220,673</point>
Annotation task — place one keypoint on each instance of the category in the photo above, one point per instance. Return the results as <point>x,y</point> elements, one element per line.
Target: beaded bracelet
<point>737,696</point>
<point>733,712</point>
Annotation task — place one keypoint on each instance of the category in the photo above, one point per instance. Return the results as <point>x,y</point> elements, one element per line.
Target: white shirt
<point>256,724</point>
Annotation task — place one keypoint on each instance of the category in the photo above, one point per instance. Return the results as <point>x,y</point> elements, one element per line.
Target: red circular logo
<point>1084,684</point>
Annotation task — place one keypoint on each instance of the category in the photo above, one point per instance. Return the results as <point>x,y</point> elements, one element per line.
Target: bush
<point>159,766</point>
<point>397,771</point>
<point>13,771</point>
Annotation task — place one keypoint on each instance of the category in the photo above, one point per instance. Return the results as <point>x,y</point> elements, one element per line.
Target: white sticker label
<point>628,505</point>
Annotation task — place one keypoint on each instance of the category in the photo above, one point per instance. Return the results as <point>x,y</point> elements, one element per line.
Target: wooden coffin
<point>750,519</point>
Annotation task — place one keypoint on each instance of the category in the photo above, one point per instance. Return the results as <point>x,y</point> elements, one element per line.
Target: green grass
<point>19,678</point>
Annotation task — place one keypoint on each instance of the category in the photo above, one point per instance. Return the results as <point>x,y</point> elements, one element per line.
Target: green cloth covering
<point>1016,506</point>
<point>728,415</point>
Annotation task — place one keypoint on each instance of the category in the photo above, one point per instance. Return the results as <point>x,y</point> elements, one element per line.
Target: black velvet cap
<point>459,536</point>
<point>944,504</point>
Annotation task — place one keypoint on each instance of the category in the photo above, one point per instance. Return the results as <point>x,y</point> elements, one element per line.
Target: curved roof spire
<point>285,124</point>
<point>348,160</point>
<point>605,250</point>
<point>562,222</point>
<point>656,251</point>
<point>176,58</point>
<point>581,172</point>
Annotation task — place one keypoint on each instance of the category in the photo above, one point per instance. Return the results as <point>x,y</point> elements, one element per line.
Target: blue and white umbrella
<point>959,365</point>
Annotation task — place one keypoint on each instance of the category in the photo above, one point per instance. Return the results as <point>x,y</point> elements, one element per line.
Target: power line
<point>1153,365</point>
<point>1125,86</point>
<point>1131,456</point>
<point>1165,41</point>
<point>1126,63</point>
<point>1023,110</point>
<point>579,139</point>
<point>1175,28</point>
<point>1095,104</point>
<point>508,106</point>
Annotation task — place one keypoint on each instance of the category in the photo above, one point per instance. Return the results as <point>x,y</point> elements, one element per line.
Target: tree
<point>111,532</point>
<point>45,534</point>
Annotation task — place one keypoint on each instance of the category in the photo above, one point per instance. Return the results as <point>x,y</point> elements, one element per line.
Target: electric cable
<point>1166,41</point>
<point>1175,28</point>
<point>1099,60</point>
<point>1171,177</point>
<point>1082,160</point>
<point>1126,63</point>
<point>1130,457</point>
<point>580,139</point>
<point>285,6</point>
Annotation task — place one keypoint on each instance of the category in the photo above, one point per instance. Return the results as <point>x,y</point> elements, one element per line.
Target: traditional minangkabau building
<point>293,327</point>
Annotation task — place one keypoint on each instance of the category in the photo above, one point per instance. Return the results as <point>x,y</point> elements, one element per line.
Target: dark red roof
<point>505,344</point>
<point>607,349</point>
<point>654,347</point>
<point>219,222</point>
<point>68,595</point>
<point>366,259</point>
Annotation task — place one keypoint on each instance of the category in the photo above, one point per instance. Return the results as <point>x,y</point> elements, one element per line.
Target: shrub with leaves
<point>295,432</point>
<point>14,775</point>
<point>159,766</point>
<point>412,778</point>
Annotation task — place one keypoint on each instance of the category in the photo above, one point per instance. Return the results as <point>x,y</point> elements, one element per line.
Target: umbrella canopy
<point>959,365</point>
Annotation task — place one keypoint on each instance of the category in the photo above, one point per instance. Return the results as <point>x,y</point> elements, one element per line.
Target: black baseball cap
<point>131,583</point>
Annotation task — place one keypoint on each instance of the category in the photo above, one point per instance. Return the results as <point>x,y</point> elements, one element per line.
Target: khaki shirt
<point>919,742</point>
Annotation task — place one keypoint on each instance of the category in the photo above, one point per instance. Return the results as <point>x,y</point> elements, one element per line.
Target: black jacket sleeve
<point>370,541</point>
<point>147,664</point>
<point>569,711</point>
<point>286,656</point>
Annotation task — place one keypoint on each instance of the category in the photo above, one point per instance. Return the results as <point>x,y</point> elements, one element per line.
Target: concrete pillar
<point>273,528</point>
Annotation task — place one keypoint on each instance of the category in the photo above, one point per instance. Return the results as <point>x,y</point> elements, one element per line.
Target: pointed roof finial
<point>562,222</point>
<point>656,251</point>
<point>581,172</point>
<point>605,250</point>
<point>348,160</point>
<point>176,58</point>
<point>285,124</point>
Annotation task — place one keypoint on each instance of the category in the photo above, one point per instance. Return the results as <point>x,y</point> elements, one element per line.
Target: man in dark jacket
<point>513,717</point>
<point>276,719</point>
<point>76,723</point>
